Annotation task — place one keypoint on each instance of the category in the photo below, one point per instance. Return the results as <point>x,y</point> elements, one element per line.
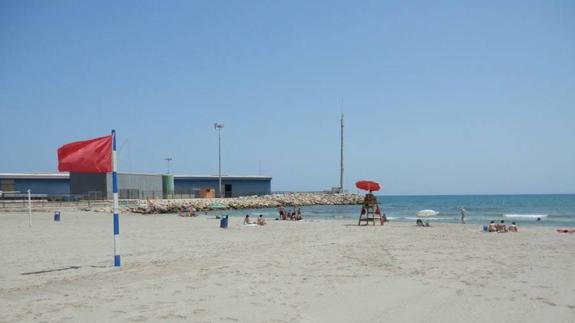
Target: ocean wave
<point>425,219</point>
<point>525,216</point>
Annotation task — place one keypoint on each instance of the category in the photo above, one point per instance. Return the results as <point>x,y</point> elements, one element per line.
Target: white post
<point>29,208</point>
<point>117,260</point>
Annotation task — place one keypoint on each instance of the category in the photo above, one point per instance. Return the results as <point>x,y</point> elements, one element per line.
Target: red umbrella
<point>368,185</point>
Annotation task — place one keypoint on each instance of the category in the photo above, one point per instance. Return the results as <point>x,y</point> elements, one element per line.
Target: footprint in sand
<point>139,318</point>
<point>172,316</point>
<point>548,302</point>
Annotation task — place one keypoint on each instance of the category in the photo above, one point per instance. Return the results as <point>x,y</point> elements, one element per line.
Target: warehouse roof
<point>184,177</point>
<point>224,177</point>
<point>34,176</point>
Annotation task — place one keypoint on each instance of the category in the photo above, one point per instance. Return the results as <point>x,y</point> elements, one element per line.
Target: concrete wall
<point>134,186</point>
<point>240,187</point>
<point>43,186</point>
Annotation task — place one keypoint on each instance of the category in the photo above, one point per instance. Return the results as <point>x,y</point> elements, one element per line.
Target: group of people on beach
<point>501,227</point>
<point>190,211</point>
<point>259,221</point>
<point>293,214</point>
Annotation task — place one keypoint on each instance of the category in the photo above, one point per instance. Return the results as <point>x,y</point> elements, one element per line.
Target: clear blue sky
<point>439,97</point>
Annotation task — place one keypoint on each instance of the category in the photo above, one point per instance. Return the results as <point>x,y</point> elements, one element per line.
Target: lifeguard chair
<point>370,211</point>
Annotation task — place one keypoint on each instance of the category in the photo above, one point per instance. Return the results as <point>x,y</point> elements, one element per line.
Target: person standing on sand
<point>462,210</point>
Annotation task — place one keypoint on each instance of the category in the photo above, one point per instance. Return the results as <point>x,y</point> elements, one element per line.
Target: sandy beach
<point>188,269</point>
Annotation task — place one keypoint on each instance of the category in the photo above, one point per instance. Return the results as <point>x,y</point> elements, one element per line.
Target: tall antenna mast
<point>341,159</point>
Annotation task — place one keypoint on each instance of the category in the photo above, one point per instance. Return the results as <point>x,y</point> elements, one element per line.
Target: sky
<point>439,97</point>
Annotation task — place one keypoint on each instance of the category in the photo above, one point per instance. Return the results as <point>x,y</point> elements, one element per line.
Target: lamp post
<point>218,127</point>
<point>168,159</point>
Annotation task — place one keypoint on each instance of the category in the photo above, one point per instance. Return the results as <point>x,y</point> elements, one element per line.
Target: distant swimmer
<point>462,210</point>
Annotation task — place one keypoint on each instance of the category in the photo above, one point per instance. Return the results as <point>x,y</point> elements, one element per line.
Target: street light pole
<point>219,126</point>
<point>169,159</point>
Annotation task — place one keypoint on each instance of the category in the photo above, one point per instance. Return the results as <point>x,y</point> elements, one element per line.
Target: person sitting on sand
<point>502,227</point>
<point>192,211</point>
<point>261,220</point>
<point>247,219</point>
<point>492,226</point>
<point>383,219</point>
<point>420,223</point>
<point>513,227</point>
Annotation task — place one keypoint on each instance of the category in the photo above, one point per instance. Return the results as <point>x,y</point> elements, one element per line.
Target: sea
<point>551,209</point>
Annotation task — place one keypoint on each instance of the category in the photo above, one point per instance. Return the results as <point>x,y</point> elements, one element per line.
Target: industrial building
<point>232,186</point>
<point>51,184</point>
<point>97,186</point>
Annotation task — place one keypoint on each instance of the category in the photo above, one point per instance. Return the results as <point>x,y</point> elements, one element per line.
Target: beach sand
<point>188,269</point>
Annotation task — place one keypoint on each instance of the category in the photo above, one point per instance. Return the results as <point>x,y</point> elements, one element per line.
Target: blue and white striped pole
<point>117,262</point>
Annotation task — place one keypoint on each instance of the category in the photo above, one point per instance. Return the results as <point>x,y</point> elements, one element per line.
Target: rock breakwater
<point>245,202</point>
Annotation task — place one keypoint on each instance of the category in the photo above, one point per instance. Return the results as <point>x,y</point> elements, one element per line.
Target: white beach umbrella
<point>425,213</point>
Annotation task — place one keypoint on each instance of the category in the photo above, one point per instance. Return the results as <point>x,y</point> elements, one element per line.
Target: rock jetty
<point>245,202</point>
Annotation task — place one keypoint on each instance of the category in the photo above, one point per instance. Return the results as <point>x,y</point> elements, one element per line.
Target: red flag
<point>88,156</point>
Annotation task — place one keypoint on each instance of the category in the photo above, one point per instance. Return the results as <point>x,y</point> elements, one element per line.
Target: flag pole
<point>117,261</point>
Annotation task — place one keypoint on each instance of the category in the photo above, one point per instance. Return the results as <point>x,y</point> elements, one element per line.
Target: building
<point>98,186</point>
<point>49,184</point>
<point>232,186</point>
<point>131,186</point>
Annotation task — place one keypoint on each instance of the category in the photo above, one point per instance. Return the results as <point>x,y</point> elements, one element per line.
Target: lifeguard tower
<point>370,211</point>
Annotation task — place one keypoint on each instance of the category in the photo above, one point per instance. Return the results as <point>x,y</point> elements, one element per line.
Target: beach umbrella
<point>424,213</point>
<point>368,185</point>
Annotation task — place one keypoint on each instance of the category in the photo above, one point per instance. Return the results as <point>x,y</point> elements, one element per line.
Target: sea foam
<point>525,216</point>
